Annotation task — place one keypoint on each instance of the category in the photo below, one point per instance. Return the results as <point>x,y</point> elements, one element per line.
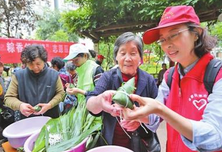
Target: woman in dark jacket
<point>128,52</point>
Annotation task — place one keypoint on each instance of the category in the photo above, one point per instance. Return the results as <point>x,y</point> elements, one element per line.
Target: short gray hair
<point>127,37</point>
<point>70,66</point>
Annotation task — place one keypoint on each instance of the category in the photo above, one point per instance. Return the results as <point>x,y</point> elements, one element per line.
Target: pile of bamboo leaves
<point>68,130</point>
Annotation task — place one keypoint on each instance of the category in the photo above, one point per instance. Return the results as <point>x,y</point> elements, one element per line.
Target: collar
<point>182,71</point>
<point>197,68</point>
<point>44,70</point>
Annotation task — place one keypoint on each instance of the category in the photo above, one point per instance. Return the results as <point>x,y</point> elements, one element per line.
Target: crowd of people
<point>193,115</point>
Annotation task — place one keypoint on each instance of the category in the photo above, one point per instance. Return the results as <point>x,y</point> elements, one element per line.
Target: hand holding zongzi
<point>121,97</point>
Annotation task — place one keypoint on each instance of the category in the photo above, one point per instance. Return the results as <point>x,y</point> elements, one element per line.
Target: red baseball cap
<point>100,56</point>
<point>172,15</point>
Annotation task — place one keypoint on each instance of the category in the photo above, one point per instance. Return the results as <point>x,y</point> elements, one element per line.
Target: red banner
<point>10,49</point>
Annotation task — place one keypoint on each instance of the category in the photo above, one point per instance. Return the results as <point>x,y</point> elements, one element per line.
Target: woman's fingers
<point>137,98</point>
<point>136,113</point>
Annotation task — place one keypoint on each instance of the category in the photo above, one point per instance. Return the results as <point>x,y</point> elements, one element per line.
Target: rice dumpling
<point>121,97</point>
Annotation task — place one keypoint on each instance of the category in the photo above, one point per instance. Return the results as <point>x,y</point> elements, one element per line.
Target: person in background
<point>58,64</point>
<point>99,59</point>
<point>71,69</point>
<point>71,100</point>
<point>2,85</point>
<point>193,116</point>
<point>92,53</point>
<point>161,73</point>
<point>1,78</point>
<point>15,68</point>
<point>3,123</point>
<point>88,71</point>
<point>128,51</point>
<point>36,85</point>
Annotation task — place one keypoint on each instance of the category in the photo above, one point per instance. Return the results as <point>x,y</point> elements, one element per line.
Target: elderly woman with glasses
<point>193,115</point>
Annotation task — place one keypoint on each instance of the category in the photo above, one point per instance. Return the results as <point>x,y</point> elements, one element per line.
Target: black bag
<point>210,74</point>
<point>6,117</point>
<point>145,144</point>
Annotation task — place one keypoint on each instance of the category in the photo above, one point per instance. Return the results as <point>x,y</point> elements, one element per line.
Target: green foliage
<point>156,49</point>
<point>78,18</point>
<point>216,30</point>
<point>59,35</point>
<point>48,25</point>
<point>17,18</point>
<point>106,49</point>
<point>51,28</point>
<point>93,14</point>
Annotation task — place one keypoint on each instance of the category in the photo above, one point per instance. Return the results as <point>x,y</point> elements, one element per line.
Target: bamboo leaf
<point>69,130</point>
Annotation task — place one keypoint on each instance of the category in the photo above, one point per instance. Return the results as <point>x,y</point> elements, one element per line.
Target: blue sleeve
<point>163,93</point>
<point>101,85</point>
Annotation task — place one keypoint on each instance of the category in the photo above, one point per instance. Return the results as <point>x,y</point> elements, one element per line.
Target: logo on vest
<point>199,101</point>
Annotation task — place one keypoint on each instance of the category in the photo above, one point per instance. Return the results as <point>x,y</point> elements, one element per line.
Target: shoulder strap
<point>209,77</point>
<point>169,77</point>
<point>210,74</point>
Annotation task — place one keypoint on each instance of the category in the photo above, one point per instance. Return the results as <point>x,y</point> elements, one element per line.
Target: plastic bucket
<point>18,132</point>
<point>110,148</point>
<point>81,147</point>
<point>29,144</point>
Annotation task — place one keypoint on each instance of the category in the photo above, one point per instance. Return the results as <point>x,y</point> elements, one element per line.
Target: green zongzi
<point>121,97</point>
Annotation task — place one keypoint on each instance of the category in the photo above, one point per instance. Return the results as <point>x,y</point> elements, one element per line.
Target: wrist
<point>160,109</point>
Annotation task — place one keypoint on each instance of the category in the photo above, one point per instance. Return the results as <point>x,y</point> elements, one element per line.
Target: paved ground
<point>161,132</point>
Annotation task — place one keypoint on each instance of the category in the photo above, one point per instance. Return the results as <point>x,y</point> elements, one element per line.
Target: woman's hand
<point>147,106</point>
<point>26,109</point>
<point>72,91</point>
<point>106,102</point>
<point>67,85</point>
<point>44,107</point>
<point>75,91</point>
<point>103,102</point>
<point>117,109</point>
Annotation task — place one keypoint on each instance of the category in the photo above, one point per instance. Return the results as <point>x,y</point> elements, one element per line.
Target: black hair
<point>57,61</point>
<point>93,53</point>
<point>31,52</point>
<point>205,42</point>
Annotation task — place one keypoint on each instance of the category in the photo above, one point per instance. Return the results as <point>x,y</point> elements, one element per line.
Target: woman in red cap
<point>193,116</point>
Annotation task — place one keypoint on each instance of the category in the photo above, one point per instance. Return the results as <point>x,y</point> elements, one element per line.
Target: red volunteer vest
<point>188,97</point>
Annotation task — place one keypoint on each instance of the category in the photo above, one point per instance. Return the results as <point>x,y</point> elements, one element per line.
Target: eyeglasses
<point>172,37</point>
